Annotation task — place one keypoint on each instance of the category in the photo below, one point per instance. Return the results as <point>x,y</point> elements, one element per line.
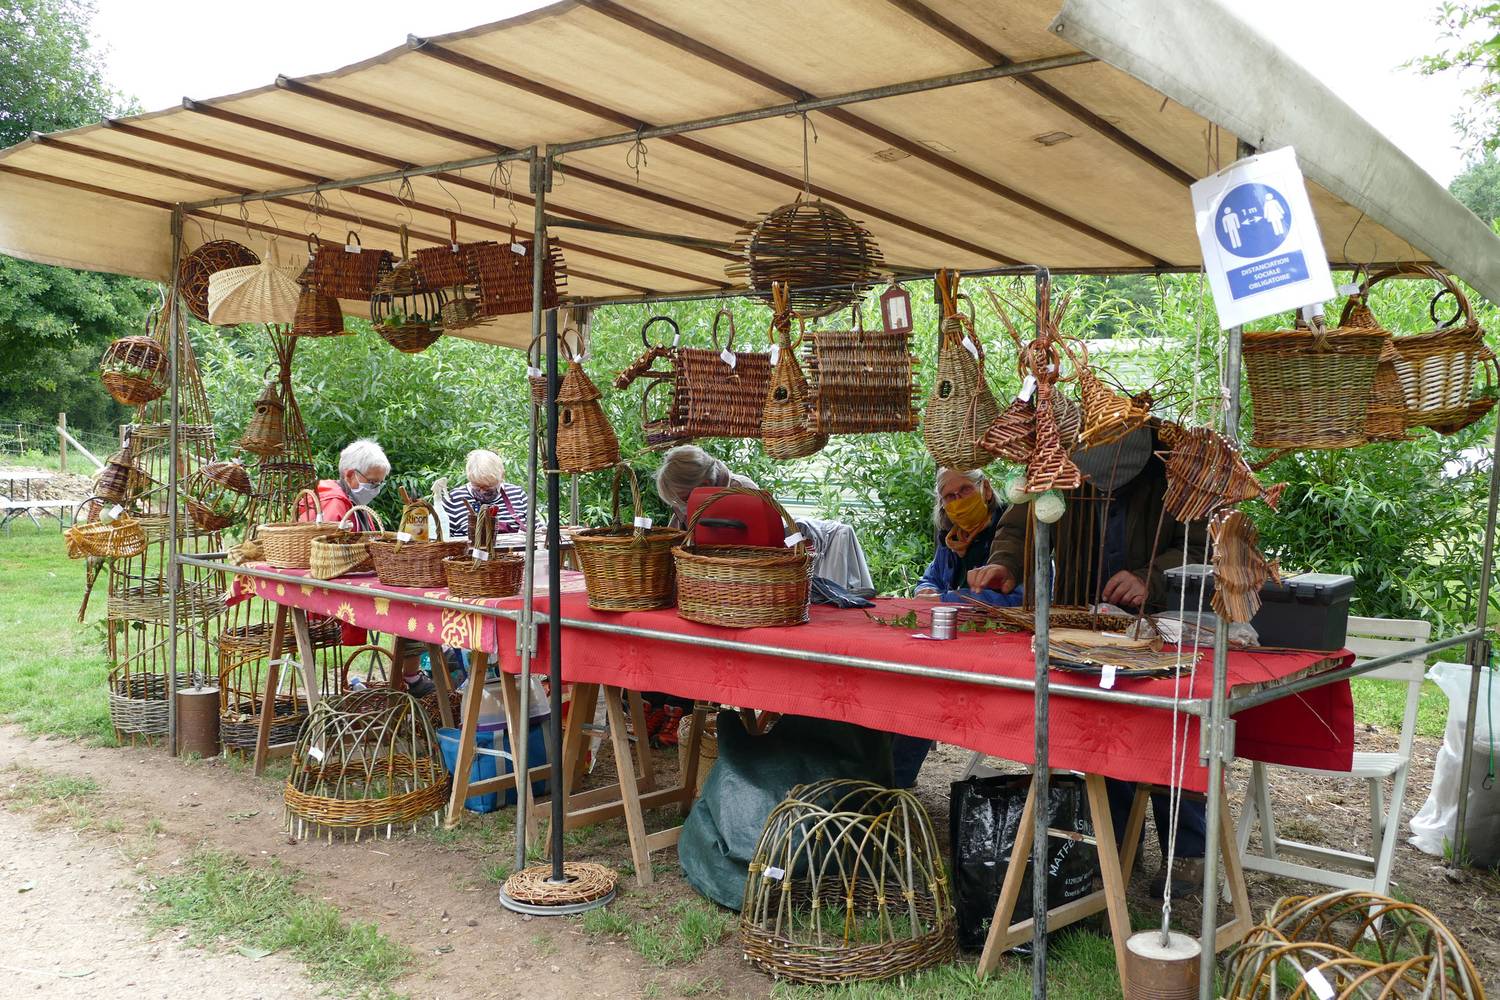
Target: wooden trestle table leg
<point>273,681</point>
<point>464,759</point>
<point>444,683</point>
<point>311,682</point>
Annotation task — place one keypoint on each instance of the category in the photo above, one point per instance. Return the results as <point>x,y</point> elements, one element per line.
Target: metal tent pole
<point>175,325</point>
<point>1216,729</point>
<point>1479,651</point>
<point>526,628</point>
<point>554,599</point>
<point>1041,814</point>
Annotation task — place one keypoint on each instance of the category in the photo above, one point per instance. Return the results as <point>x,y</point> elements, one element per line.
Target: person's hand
<point>1125,590</point>
<point>992,577</point>
<point>927,594</point>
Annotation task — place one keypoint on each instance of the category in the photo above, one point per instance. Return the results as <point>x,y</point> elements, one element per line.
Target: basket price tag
<point>727,356</point>
<point>1028,389</point>
<point>403,536</point>
<point>532,371</point>
<point>775,354</point>
<point>1319,983</point>
<point>794,539</point>
<point>480,554</point>
<point>315,752</point>
<point>519,249</point>
<point>353,248</point>
<point>1349,288</point>
<point>776,874</point>
<point>643,523</point>
<point>971,347</point>
<point>1107,675</point>
<point>453,247</point>
<point>115,511</point>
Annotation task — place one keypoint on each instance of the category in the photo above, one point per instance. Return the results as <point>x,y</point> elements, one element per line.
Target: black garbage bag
<point>984,817</point>
<point>751,777</point>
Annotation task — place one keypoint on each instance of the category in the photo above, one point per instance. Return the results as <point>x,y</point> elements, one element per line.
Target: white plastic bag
<point>1434,825</point>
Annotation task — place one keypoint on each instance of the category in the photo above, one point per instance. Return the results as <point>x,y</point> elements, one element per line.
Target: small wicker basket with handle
<point>627,567</point>
<point>484,572</point>
<point>406,561</point>
<point>288,544</point>
<point>347,550</point>
<point>744,586</point>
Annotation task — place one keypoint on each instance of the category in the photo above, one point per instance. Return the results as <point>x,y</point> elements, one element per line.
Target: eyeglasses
<point>958,494</point>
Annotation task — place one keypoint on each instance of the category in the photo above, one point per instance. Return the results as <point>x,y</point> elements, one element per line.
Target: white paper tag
<point>775,354</point>
<point>519,249</point>
<point>454,247</point>
<point>1028,389</point>
<point>1352,288</point>
<point>480,554</point>
<point>971,347</point>
<point>403,536</point>
<point>1107,676</point>
<point>115,511</point>
<point>1319,983</point>
<point>315,753</point>
<point>727,356</point>
<point>676,339</point>
<point>534,372</point>
<point>774,873</point>
<point>643,522</point>
<point>793,539</point>
<point>352,248</point>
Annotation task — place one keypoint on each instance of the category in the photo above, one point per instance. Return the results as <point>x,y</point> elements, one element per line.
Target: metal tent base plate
<point>554,910</point>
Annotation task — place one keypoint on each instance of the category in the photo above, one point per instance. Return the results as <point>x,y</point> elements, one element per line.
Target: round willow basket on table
<point>627,567</point>
<point>846,885</point>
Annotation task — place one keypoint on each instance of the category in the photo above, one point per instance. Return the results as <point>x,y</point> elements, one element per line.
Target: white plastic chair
<point>1368,638</point>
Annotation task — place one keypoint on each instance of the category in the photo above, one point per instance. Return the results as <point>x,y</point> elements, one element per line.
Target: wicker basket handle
<point>635,499</point>
<point>315,504</point>
<point>351,239</point>
<point>714,331</point>
<point>646,332</point>
<point>378,654</point>
<point>1464,310</point>
<point>483,526</point>
<point>667,380</point>
<point>565,351</point>
<point>791,526</point>
<point>379,524</point>
<point>100,504</point>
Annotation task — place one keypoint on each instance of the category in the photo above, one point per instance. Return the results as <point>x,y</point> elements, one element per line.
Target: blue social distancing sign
<point>1261,247</point>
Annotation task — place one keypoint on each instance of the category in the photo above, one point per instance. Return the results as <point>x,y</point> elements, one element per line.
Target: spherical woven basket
<point>865,899</point>
<point>217,495</point>
<point>208,258</point>
<point>345,551</point>
<point>133,369</point>
<point>628,567</point>
<point>743,586</point>
<point>318,315</point>
<point>820,252</point>
<point>410,338</point>
<point>413,562</point>
<point>288,544</point>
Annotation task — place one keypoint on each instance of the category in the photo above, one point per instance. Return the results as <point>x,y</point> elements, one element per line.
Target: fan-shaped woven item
<point>820,253</point>
<point>1362,945</point>
<point>365,760</point>
<point>961,405</point>
<point>266,292</point>
<point>846,885</point>
<point>1107,415</point>
<point>1239,567</point>
<point>1049,467</point>
<point>1205,472</point>
<point>206,260</point>
<point>787,428</point>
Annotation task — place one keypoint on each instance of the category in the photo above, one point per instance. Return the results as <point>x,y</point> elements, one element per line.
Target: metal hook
<point>457,204</point>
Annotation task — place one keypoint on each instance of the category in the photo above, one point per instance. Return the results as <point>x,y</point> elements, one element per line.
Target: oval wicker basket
<point>404,561</point>
<point>743,586</point>
<point>627,567</point>
<point>1312,388</point>
<point>345,551</point>
<point>120,538</point>
<point>484,573</point>
<point>288,544</point>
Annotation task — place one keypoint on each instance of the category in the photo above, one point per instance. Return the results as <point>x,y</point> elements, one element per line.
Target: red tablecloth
<point>1314,729</point>
<point>384,609</point>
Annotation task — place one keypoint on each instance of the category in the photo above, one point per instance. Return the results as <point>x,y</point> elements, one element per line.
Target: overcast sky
<point>203,50</point>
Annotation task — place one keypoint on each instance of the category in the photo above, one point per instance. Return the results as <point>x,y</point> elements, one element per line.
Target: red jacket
<point>333,501</point>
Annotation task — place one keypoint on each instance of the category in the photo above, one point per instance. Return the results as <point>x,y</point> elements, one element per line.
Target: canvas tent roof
<point>1083,166</point>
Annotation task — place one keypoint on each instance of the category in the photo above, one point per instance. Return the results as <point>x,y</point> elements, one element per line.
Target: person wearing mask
<point>485,472</point>
<point>837,554</point>
<point>363,469</point>
<point>965,515</point>
<point>1107,549</point>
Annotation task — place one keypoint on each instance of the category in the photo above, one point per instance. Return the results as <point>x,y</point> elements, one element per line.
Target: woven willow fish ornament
<point>1239,567</point>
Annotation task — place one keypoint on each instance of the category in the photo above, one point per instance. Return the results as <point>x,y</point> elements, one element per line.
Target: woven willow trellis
<point>845,885</point>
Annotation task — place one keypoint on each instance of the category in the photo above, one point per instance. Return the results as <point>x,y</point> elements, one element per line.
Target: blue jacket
<point>948,570</point>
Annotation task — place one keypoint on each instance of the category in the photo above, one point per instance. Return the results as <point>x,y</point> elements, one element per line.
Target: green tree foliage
<point>1471,34</point>
<point>1478,187</point>
<point>55,322</point>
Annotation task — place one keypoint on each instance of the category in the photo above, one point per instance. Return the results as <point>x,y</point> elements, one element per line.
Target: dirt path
<point>70,930</point>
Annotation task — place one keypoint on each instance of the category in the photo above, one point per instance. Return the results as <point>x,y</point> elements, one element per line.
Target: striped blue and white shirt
<point>509,516</point>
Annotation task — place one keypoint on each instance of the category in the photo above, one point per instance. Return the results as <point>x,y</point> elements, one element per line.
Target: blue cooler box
<point>487,766</point>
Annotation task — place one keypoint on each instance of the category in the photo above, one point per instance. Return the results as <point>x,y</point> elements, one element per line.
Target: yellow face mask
<point>968,513</point>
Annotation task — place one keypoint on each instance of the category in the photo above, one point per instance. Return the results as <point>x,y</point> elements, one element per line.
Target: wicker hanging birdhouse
<point>961,404</point>
<point>119,480</point>
<point>134,370</point>
<point>217,495</point>
<point>264,434</point>
<point>820,253</point>
<point>787,428</point>
<point>585,440</point>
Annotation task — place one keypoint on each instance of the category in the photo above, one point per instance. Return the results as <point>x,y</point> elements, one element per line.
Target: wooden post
<point>62,441</point>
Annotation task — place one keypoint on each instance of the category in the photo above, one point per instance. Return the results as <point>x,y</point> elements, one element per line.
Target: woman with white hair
<point>485,472</point>
<point>965,515</point>
<point>363,469</point>
<point>837,554</point>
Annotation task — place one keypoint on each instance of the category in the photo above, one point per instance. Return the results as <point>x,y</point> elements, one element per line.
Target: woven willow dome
<point>846,885</point>
<point>819,252</point>
<point>366,760</point>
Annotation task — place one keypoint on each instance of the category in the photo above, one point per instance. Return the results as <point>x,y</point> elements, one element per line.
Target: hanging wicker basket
<point>134,370</point>
<point>961,405</point>
<point>408,561</point>
<point>627,567</point>
<point>347,270</point>
<point>719,392</point>
<point>120,537</point>
<point>743,586</point>
<point>318,314</point>
<point>265,434</point>
<point>787,428</point>
<point>820,253</point>
<point>484,573</point>
<point>1311,388</point>
<point>120,479</point>
<point>217,495</point>
<point>205,261</point>
<point>288,544</point>
<point>347,550</point>
<point>266,292</point>
<point>585,440</point>
<point>503,274</point>
<point>862,381</point>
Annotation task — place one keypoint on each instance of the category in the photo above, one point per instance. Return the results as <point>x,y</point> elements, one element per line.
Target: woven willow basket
<point>743,586</point>
<point>787,427</point>
<point>346,550</point>
<point>133,369</point>
<point>484,573</point>
<point>711,397</point>
<point>288,544</point>
<point>1311,388</point>
<point>413,562</point>
<point>627,567</point>
<point>961,405</point>
<point>118,539</point>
